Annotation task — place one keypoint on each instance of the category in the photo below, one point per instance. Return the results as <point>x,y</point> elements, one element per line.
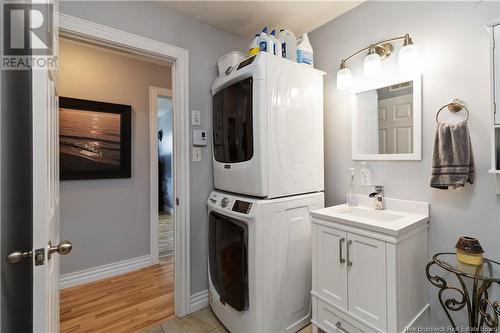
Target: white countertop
<point>407,216</point>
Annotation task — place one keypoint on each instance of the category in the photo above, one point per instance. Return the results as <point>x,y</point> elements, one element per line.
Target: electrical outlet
<point>195,118</point>
<point>196,154</point>
<point>366,177</point>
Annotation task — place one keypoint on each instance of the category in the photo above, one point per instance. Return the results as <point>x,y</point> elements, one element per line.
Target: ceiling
<point>246,18</point>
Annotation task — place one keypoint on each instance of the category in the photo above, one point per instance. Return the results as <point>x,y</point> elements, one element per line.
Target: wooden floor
<point>165,234</point>
<point>125,303</point>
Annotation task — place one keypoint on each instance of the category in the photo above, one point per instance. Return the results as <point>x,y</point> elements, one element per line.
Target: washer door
<point>228,259</point>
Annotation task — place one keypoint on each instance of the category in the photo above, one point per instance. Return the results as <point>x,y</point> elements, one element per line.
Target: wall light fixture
<point>408,60</point>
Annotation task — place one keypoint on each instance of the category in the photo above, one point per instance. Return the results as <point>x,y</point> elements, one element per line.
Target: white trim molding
<point>199,301</point>
<point>102,272</point>
<point>84,30</point>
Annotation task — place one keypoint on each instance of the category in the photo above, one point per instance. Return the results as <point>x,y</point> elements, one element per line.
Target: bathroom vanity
<point>369,267</point>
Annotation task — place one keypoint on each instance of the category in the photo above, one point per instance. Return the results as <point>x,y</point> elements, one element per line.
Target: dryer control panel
<point>242,207</point>
<point>230,204</point>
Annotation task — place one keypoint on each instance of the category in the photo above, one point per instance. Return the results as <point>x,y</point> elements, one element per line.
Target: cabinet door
<point>367,279</point>
<point>332,265</point>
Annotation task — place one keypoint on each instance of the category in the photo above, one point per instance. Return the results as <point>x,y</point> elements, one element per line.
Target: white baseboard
<point>198,301</point>
<point>104,271</point>
<point>421,320</point>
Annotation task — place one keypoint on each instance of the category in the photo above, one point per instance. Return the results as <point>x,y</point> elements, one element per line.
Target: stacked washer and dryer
<point>268,172</point>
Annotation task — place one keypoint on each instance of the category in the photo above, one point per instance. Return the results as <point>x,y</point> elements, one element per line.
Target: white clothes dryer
<point>268,128</point>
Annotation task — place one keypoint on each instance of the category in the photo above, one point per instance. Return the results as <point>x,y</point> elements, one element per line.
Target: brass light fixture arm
<point>406,38</point>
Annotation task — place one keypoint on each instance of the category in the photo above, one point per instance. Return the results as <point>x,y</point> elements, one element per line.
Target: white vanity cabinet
<point>365,278</point>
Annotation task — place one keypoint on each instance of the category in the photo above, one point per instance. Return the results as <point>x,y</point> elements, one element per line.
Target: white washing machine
<point>260,261</point>
<point>268,128</point>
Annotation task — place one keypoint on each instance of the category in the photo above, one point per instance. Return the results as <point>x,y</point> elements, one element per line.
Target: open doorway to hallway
<point>112,281</point>
<point>163,100</point>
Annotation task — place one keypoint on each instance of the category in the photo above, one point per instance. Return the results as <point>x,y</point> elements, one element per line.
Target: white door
<point>331,278</point>
<point>367,279</point>
<point>395,125</point>
<point>45,127</point>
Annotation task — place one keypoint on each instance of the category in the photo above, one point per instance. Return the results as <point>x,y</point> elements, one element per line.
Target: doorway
<point>97,34</point>
<point>136,47</point>
<point>92,81</point>
<point>163,214</point>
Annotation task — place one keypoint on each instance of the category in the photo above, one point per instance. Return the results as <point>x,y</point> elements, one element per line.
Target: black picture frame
<point>123,169</point>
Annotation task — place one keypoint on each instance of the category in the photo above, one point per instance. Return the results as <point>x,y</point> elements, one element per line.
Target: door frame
<point>154,92</point>
<point>83,30</point>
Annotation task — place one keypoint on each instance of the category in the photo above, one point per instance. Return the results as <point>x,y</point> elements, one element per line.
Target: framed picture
<point>94,139</point>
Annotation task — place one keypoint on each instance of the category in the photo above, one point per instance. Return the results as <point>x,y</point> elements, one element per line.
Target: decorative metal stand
<point>482,312</point>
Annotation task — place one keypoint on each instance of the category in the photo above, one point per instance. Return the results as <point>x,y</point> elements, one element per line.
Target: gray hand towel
<point>452,159</point>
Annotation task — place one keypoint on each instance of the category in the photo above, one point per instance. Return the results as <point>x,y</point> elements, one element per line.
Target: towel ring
<point>455,106</point>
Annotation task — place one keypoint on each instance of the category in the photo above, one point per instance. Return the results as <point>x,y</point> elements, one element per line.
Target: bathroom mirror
<point>387,120</point>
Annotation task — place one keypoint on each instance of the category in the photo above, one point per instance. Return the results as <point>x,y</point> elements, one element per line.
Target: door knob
<point>16,256</point>
<point>63,248</point>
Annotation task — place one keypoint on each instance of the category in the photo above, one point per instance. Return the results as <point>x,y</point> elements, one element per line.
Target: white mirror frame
<point>417,119</point>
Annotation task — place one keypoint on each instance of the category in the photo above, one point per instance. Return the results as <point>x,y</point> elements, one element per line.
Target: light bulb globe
<point>409,59</point>
<point>344,79</point>
<point>372,65</point>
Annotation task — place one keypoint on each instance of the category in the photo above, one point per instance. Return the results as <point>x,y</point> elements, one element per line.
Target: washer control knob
<point>224,202</point>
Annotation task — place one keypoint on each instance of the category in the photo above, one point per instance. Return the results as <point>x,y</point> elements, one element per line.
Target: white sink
<point>398,217</point>
<point>375,215</point>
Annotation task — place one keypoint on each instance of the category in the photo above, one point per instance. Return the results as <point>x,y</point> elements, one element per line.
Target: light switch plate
<point>195,118</point>
<point>196,154</point>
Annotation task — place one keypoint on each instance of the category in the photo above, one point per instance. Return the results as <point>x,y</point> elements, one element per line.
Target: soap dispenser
<point>352,199</point>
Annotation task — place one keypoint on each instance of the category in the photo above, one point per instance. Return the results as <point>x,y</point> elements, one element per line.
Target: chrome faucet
<point>379,197</point>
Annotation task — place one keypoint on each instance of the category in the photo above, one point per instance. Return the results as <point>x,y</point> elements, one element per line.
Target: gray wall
<point>108,219</point>
<point>205,44</point>
<point>454,45</point>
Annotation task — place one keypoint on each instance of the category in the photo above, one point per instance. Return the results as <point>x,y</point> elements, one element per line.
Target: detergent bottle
<point>265,42</point>
<point>254,46</point>
<point>304,51</point>
<point>276,43</point>
<point>288,44</point>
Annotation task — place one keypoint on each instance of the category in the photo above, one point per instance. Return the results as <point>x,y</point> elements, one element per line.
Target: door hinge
<point>177,201</point>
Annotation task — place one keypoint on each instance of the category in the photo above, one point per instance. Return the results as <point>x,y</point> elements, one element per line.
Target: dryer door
<point>233,127</point>
<point>239,138</point>
<point>228,259</point>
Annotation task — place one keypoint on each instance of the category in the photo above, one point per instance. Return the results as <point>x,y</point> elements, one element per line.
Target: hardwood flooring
<point>126,303</point>
<point>165,235</point>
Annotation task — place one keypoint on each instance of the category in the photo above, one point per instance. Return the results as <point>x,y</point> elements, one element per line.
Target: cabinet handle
<point>349,262</point>
<point>341,260</point>
<point>340,328</point>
